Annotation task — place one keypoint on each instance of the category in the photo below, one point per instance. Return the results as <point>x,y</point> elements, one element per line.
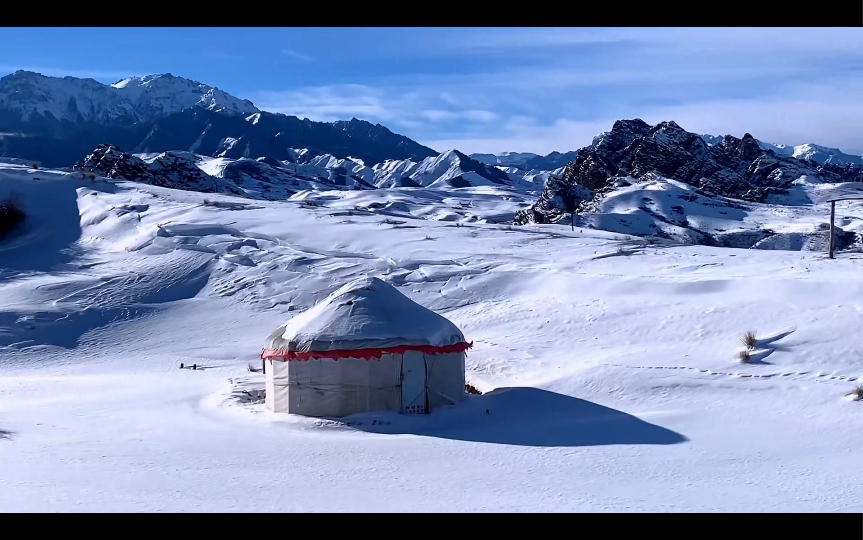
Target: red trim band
<point>363,354</point>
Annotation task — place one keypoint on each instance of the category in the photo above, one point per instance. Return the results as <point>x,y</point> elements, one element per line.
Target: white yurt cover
<point>359,349</point>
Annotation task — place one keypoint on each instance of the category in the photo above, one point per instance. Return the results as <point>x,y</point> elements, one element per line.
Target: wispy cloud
<point>328,103</point>
<point>475,115</point>
<point>297,55</point>
<point>540,90</point>
<point>394,105</point>
<point>831,121</point>
<point>755,41</point>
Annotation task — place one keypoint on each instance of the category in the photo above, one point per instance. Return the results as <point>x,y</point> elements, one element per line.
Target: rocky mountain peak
<point>748,148</point>
<point>735,168</point>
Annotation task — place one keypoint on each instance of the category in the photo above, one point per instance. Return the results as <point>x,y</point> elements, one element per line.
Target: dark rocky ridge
<point>735,168</point>
<point>207,133</point>
<point>264,178</point>
<point>171,169</point>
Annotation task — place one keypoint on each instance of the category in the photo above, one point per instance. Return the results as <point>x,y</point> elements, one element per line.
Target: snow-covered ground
<point>609,363</point>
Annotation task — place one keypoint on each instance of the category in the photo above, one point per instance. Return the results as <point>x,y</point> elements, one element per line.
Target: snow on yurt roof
<point>365,313</point>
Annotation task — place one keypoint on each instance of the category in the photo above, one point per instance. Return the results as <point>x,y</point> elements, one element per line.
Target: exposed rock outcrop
<point>735,168</point>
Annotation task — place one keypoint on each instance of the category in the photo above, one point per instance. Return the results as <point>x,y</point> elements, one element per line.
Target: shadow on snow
<point>52,227</point>
<point>524,416</point>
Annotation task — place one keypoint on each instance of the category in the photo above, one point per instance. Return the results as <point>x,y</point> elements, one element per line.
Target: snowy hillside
<point>609,364</point>
<point>658,207</point>
<point>136,99</point>
<point>449,188</point>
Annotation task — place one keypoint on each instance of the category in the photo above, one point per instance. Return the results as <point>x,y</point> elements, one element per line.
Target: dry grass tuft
<point>744,356</point>
<point>749,339</point>
<point>471,389</point>
<point>858,392</point>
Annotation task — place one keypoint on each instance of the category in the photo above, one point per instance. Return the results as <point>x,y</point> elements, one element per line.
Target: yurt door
<point>413,383</point>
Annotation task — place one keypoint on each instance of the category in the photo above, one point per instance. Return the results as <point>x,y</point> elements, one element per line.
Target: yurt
<point>366,347</point>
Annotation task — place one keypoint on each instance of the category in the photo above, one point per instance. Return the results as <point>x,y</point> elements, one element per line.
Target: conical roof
<point>367,313</point>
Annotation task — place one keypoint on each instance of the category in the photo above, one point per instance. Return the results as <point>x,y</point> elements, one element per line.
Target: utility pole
<point>832,228</point>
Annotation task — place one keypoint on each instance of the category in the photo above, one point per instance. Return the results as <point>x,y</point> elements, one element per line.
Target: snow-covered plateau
<point>609,362</point>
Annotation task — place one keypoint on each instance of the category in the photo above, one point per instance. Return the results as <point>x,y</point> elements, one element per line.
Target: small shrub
<point>471,389</point>
<point>858,392</point>
<point>749,339</point>
<point>11,214</point>
<point>744,356</point>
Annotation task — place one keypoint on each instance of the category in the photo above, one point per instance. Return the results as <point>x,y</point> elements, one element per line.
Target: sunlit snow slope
<point>609,363</point>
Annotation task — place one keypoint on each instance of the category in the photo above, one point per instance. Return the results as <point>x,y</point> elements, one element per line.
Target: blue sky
<point>497,89</point>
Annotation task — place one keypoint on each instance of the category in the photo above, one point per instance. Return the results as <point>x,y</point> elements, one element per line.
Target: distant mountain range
<point>270,179</point>
<point>527,160</point>
<point>58,120</point>
<point>813,152</point>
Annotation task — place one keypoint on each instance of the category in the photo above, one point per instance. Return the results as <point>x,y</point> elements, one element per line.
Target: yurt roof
<point>363,314</point>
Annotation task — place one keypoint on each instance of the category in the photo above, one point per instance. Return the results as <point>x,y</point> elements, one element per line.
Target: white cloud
<point>401,108</point>
<point>436,115</point>
<point>554,89</point>
<point>297,55</point>
<point>473,115</point>
<point>790,121</point>
<point>328,103</point>
<point>480,115</point>
<point>801,113</point>
<point>754,41</point>
<point>526,135</point>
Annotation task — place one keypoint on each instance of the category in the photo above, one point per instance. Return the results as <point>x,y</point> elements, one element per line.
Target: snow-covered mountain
<point>817,153</point>
<point>555,160</point>
<point>57,120</point>
<point>137,99</point>
<point>263,179</point>
<point>665,182</point>
<point>449,169</point>
<point>527,161</point>
<point>533,177</point>
<point>506,159</point>
<point>270,179</point>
